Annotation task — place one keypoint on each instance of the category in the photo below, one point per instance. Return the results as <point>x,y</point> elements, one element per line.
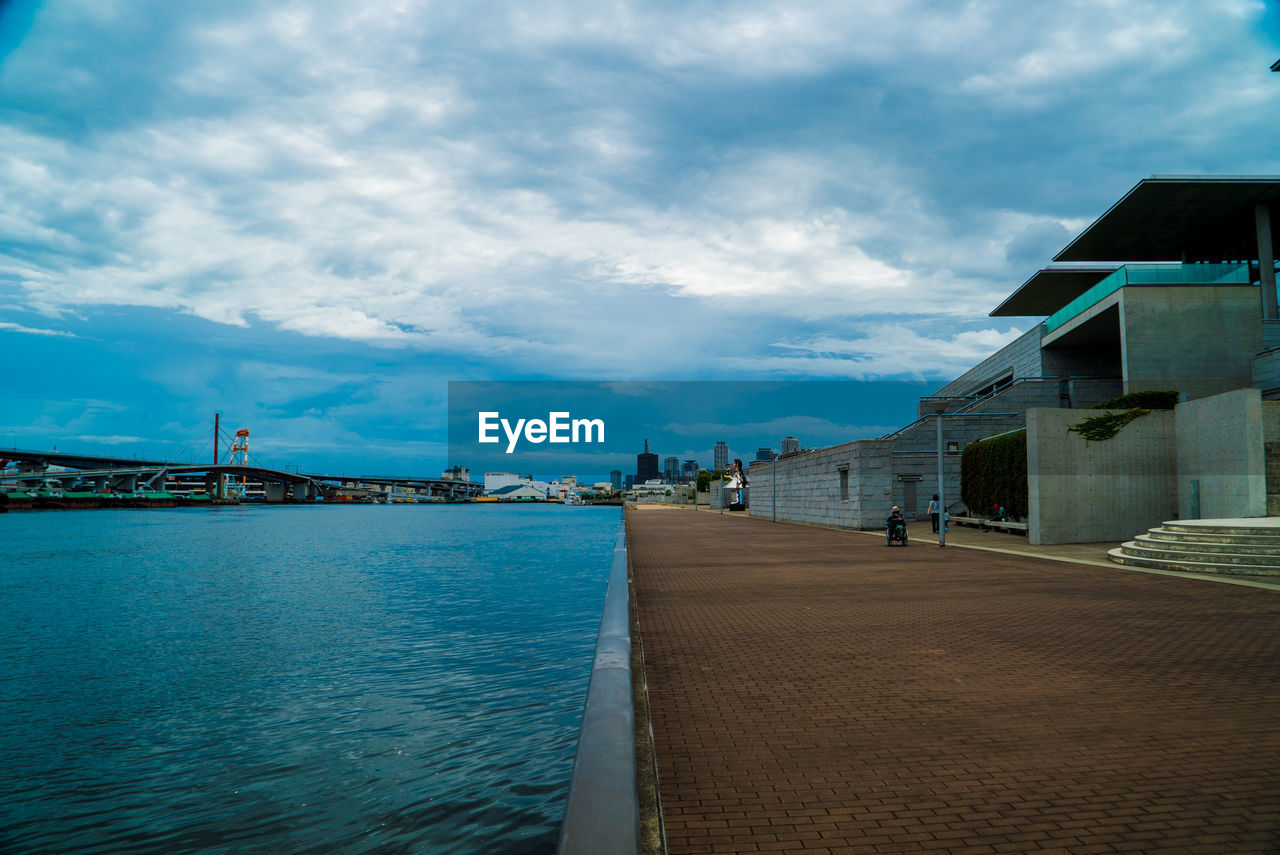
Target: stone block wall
<point>1022,356</point>
<point>811,489</point>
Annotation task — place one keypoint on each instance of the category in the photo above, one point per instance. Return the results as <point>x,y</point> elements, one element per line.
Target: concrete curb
<point>602,814</point>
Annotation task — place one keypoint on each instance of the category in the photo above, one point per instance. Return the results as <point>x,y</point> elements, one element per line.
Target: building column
<point>1266,261</point>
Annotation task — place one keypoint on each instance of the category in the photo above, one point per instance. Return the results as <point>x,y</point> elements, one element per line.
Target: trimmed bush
<point>1162,399</point>
<point>994,471</point>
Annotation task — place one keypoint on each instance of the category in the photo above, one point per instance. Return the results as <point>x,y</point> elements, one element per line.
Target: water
<point>402,678</point>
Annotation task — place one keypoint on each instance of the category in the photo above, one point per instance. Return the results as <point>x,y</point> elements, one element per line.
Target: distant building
<point>615,480</point>
<point>764,455</point>
<point>630,482</point>
<point>721,455</point>
<point>689,471</point>
<point>790,445</point>
<point>456,473</point>
<point>671,469</point>
<point>646,465</point>
<point>521,492</point>
<point>494,481</point>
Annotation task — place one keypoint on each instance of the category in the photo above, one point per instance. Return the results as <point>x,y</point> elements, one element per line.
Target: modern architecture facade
<point>720,455</point>
<point>1172,288</point>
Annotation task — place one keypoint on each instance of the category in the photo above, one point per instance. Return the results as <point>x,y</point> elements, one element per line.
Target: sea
<point>295,679</point>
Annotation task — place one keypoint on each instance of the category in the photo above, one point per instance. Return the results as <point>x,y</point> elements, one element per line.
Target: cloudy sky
<point>311,216</point>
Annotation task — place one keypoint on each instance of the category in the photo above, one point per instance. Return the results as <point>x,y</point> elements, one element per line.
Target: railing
<point>1149,274</point>
<point>602,815</point>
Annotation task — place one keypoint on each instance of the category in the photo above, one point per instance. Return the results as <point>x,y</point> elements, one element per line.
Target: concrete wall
<point>1271,451</point>
<point>1198,340</point>
<point>808,486</point>
<point>1266,373</point>
<point>1220,449</point>
<point>1100,359</point>
<point>1098,491</point>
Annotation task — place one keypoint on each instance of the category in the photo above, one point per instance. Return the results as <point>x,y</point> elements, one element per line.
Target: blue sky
<point>310,217</point>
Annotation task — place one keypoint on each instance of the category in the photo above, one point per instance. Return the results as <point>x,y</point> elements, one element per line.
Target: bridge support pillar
<point>274,492</point>
<point>303,492</point>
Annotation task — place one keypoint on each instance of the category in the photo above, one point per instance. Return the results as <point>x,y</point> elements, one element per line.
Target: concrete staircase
<point>1241,547</point>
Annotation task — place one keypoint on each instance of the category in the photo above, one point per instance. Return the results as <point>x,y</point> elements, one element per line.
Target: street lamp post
<point>939,406</point>
<point>942,497</point>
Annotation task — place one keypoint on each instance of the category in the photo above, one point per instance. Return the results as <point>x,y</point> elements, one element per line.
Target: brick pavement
<point>816,691</point>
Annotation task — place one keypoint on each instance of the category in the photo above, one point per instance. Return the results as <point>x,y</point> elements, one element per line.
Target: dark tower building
<point>646,465</point>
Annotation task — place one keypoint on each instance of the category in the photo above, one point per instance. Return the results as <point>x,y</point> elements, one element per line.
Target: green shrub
<point>1162,399</point>
<point>994,471</point>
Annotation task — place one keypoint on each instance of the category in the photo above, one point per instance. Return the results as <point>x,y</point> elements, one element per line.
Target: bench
<point>1015,527</point>
<point>984,524</point>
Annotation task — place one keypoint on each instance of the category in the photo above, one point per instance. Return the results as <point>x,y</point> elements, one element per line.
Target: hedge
<point>994,471</point>
<point>1161,399</point>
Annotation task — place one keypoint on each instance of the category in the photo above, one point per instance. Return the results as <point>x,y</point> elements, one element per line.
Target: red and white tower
<point>240,449</point>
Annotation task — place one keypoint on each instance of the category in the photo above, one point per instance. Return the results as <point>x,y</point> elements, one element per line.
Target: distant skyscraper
<point>765,454</point>
<point>646,465</point>
<point>790,445</point>
<point>671,469</point>
<point>689,471</point>
<point>721,454</point>
<point>615,480</point>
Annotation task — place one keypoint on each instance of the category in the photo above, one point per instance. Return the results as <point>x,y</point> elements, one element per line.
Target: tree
<point>706,476</point>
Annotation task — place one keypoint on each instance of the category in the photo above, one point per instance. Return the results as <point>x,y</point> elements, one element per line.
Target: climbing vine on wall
<point>994,471</point>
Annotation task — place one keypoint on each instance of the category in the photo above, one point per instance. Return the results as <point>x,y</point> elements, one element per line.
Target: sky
<point>310,217</point>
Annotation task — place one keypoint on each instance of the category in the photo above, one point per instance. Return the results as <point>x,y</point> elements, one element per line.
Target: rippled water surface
<point>403,678</point>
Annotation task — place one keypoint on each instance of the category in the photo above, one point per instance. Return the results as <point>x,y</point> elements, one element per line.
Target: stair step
<point>1260,527</point>
<point>1199,545</point>
<point>1120,555</point>
<point>1163,533</point>
<point>1144,550</point>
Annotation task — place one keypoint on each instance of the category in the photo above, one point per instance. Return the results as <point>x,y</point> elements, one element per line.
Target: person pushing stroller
<point>895,527</point>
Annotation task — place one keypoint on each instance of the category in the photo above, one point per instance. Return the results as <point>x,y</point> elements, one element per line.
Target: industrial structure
<point>45,479</point>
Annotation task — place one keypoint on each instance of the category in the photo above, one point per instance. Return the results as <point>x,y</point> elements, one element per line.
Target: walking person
<point>934,511</point>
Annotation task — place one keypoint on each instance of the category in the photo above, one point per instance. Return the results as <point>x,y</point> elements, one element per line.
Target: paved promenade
<point>815,691</point>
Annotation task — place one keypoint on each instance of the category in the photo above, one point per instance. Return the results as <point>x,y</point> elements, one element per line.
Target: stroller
<point>895,530</point>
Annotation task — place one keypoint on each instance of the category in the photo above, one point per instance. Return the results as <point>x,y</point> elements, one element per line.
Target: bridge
<point>102,474</point>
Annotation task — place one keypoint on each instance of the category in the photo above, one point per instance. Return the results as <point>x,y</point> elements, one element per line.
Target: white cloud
<point>885,350</point>
<point>19,328</point>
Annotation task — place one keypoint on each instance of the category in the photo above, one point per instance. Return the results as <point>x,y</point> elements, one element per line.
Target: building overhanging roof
<point>1051,288</point>
<point>1180,217</point>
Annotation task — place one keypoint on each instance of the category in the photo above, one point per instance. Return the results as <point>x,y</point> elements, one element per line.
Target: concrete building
<point>689,471</point>
<point>1172,288</point>
<point>765,454</point>
<point>720,456</point>
<point>790,445</point>
<point>615,480</point>
<point>671,469</point>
